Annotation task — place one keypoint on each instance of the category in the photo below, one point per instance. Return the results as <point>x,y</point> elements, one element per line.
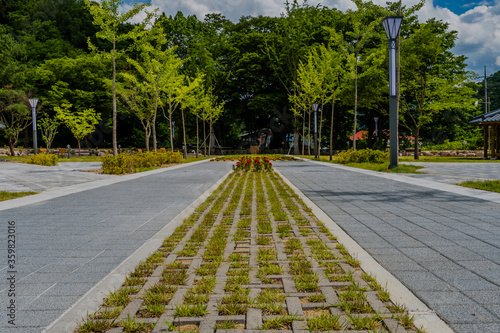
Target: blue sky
<point>477,21</point>
<point>459,6</point>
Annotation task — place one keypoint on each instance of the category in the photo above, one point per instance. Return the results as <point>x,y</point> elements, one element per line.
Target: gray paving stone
<point>433,298</point>
<point>73,241</point>
<point>477,328</point>
<point>465,313</point>
<point>439,235</point>
<point>423,281</point>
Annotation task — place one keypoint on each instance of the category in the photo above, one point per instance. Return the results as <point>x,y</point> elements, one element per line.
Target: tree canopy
<point>258,74</point>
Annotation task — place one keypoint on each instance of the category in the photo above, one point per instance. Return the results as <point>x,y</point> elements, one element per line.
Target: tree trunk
<point>415,153</point>
<point>296,139</point>
<point>12,143</point>
<point>355,104</point>
<point>184,134</point>
<point>197,137</point>
<point>155,146</point>
<point>303,132</point>
<point>115,146</point>
<point>210,139</point>
<point>204,139</point>
<point>147,135</point>
<point>320,128</point>
<point>309,134</point>
<point>331,132</point>
<point>171,128</point>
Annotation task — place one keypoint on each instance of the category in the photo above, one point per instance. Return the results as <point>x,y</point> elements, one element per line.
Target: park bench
<point>61,151</point>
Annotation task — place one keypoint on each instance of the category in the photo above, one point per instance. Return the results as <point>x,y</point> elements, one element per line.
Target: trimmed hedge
<point>43,159</point>
<point>362,156</point>
<point>126,163</point>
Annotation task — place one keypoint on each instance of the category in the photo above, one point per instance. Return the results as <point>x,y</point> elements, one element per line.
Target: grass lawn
<point>488,185</point>
<point>13,195</point>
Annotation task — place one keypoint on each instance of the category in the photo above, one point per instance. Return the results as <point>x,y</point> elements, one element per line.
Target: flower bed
<point>253,164</point>
<point>269,157</point>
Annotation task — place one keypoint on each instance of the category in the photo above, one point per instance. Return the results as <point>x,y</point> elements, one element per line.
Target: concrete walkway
<point>440,241</point>
<point>68,240</point>
<point>454,173</point>
<point>21,177</point>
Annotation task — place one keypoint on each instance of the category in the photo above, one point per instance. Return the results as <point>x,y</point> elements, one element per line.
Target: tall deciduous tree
<point>137,95</point>
<point>432,78</point>
<point>364,25</point>
<point>210,112</point>
<point>14,114</point>
<point>109,19</point>
<point>170,81</point>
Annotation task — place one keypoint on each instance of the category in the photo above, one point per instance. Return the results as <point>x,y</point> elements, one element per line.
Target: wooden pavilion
<point>490,120</point>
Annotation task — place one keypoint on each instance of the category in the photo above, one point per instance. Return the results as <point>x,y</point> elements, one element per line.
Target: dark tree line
<point>252,68</point>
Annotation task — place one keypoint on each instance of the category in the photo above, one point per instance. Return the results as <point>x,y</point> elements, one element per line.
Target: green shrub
<point>126,163</point>
<point>43,159</point>
<point>471,144</point>
<point>362,156</point>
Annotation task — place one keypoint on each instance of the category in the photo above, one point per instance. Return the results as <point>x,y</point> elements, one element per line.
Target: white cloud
<point>478,28</point>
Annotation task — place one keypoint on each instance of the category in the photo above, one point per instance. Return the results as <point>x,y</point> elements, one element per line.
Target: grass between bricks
<point>259,229</point>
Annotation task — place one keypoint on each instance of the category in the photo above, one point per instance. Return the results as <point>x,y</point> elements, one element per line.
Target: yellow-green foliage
<point>43,159</point>
<point>126,163</point>
<point>362,156</point>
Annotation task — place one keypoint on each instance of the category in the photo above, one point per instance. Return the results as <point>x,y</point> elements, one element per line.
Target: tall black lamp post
<point>315,107</point>
<point>391,26</point>
<point>33,103</point>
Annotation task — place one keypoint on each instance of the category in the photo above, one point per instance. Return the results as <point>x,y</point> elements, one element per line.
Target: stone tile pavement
<point>454,173</point>
<point>443,246</point>
<point>20,177</point>
<point>66,244</point>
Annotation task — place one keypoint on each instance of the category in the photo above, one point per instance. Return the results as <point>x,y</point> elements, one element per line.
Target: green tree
<point>210,112</point>
<point>48,127</point>
<point>493,82</point>
<point>108,18</point>
<point>137,97</point>
<point>361,37</point>
<point>80,123</point>
<point>170,82</point>
<point>13,55</point>
<point>14,114</point>
<point>432,78</point>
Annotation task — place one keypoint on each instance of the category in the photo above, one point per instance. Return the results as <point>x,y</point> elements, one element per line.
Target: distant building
<point>490,120</point>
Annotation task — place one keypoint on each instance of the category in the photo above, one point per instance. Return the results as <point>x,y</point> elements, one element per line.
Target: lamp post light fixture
<point>33,103</point>
<point>392,25</point>
<point>315,108</point>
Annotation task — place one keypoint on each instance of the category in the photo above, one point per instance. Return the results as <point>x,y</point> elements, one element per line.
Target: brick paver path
<point>252,258</point>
